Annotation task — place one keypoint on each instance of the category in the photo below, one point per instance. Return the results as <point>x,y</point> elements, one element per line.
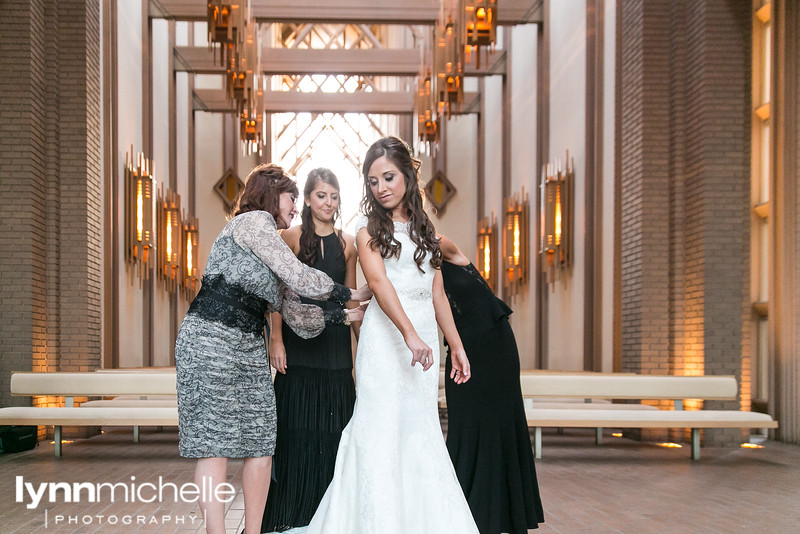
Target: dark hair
<point>309,240</point>
<point>262,190</point>
<point>379,221</point>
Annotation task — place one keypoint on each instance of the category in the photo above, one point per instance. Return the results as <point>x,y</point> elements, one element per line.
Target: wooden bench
<point>589,386</point>
<point>102,413</point>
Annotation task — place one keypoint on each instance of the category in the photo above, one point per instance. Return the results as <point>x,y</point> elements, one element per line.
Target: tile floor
<point>622,486</point>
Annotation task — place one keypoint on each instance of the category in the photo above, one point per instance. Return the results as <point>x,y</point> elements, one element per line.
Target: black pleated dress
<point>487,432</point>
<point>314,401</point>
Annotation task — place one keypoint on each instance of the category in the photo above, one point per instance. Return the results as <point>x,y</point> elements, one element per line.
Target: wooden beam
<point>348,11</point>
<point>375,61</point>
<point>471,104</point>
<point>293,102</point>
<point>496,64</point>
<point>336,11</point>
<point>511,12</point>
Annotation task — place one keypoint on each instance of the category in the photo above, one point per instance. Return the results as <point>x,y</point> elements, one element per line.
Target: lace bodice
<point>403,272</point>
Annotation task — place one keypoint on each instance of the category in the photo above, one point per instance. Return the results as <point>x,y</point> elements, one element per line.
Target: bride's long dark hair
<point>379,220</point>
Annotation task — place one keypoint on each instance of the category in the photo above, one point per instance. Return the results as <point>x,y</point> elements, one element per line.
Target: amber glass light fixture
<point>170,233</point>
<point>189,261</point>
<point>225,21</point>
<point>516,232</point>
<point>480,27</point>
<point>140,204</point>
<point>232,26</point>
<point>556,208</point>
<point>449,62</point>
<point>487,248</point>
<point>426,111</point>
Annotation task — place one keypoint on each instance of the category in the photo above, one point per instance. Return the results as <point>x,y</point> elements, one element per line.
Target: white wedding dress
<point>393,474</point>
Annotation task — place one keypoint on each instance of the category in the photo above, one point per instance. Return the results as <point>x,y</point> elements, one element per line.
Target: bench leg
<point>598,436</point>
<point>695,444</point>
<point>136,434</point>
<point>537,442</point>
<point>57,440</point>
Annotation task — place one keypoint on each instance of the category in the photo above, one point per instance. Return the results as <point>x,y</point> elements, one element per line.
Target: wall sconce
<point>189,261</point>
<point>516,232</point>
<point>481,26</point>
<point>140,204</point>
<point>487,248</point>
<point>556,197</point>
<point>170,230</point>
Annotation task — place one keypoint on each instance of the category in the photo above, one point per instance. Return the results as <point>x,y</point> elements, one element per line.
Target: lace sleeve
<point>259,234</point>
<point>308,320</point>
<point>360,223</point>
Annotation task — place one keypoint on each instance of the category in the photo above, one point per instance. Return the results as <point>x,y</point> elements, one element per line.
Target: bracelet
<point>346,321</point>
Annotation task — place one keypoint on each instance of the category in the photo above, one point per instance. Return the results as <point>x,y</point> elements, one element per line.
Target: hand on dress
<point>361,294</point>
<point>356,314</point>
<point>420,352</point>
<point>460,372</point>
<point>277,356</point>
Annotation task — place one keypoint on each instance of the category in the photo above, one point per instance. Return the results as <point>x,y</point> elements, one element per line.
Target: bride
<point>393,474</point>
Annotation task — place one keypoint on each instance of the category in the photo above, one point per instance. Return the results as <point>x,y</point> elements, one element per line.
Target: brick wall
<point>50,182</point>
<point>685,189</point>
<point>22,189</point>
<point>80,170</point>
<point>645,187</point>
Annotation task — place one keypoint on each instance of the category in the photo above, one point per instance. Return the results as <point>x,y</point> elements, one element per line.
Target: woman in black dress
<point>314,387</point>
<point>487,432</point>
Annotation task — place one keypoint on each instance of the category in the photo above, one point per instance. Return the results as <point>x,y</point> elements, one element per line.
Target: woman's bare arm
<point>444,318</point>
<point>384,292</point>
<point>351,257</point>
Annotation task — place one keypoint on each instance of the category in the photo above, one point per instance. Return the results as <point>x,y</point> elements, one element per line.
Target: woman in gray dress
<point>226,404</point>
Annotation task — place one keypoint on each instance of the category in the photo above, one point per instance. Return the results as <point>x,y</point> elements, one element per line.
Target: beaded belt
<point>415,293</point>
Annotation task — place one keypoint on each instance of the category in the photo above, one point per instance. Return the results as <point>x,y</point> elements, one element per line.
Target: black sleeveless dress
<point>487,432</point>
<point>314,401</point>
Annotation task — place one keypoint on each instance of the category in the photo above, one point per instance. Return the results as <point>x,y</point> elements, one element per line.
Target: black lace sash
<point>229,304</point>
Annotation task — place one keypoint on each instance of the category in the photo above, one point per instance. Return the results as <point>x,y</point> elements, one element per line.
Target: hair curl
<point>309,240</point>
<point>262,190</point>
<point>379,221</point>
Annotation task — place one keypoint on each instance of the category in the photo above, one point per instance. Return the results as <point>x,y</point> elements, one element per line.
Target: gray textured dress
<point>226,404</point>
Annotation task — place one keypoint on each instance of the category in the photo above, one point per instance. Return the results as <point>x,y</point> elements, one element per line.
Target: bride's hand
<point>460,372</point>
<point>420,352</point>
<point>361,294</point>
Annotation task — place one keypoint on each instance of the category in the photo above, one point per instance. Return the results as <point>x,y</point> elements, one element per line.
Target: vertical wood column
<point>784,309</point>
